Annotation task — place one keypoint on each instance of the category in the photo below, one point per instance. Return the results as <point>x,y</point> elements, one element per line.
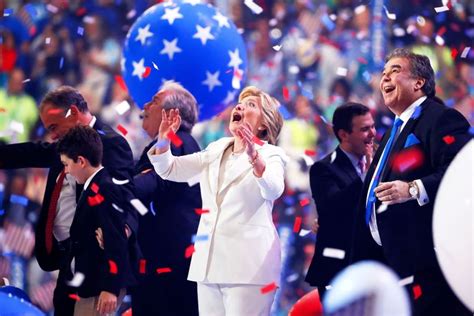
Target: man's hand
<point>107,303</point>
<point>315,226</point>
<point>392,192</point>
<point>100,237</point>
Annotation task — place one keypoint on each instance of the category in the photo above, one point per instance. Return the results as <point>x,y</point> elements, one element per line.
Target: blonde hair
<point>272,120</point>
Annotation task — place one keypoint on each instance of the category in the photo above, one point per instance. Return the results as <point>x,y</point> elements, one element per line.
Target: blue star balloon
<point>191,43</point>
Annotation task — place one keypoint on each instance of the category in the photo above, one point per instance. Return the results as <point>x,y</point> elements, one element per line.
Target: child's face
<point>76,169</point>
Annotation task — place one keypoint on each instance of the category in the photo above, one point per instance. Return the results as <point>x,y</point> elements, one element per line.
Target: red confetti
<point>121,82</point>
<point>268,288</point>
<point>304,202</point>
<point>189,251</point>
<point>113,267</point>
<point>95,200</point>
<point>454,53</point>
<point>81,11</point>
<point>409,159</point>
<point>297,224</point>
<point>238,74</point>
<point>95,188</point>
<point>32,30</point>
<point>441,31</point>
<point>142,268</point>
<point>163,270</point>
<point>122,130</point>
<point>448,139</point>
<point>286,94</point>
<point>362,60</point>
<point>174,139</point>
<point>417,291</point>
<point>200,211</point>
<point>75,297</point>
<point>310,152</point>
<point>55,111</point>
<point>257,141</point>
<point>147,72</point>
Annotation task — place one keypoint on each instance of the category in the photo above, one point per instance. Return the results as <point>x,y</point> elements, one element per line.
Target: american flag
<point>42,296</point>
<point>17,239</point>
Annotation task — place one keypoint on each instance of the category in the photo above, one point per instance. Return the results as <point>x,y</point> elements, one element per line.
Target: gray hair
<point>420,67</point>
<point>177,97</point>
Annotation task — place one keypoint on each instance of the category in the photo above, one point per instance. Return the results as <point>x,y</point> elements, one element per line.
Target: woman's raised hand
<point>245,132</point>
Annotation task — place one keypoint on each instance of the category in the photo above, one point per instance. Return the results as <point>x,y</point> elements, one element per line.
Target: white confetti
<point>277,47</point>
<point>465,52</point>
<point>334,253</point>
<point>120,182</point>
<point>341,71</point>
<point>26,80</point>
<point>304,232</point>
<point>68,113</point>
<point>406,281</point>
<point>441,9</point>
<point>390,16</point>
<point>255,8</point>
<point>382,208</point>
<point>359,9</point>
<point>47,40</point>
<point>293,277</point>
<point>131,14</point>
<point>117,208</point>
<point>76,280</point>
<point>17,127</point>
<point>333,156</point>
<point>139,206</point>
<point>122,107</point>
<point>155,66</point>
<point>439,40</point>
<point>51,8</point>
<point>89,19</point>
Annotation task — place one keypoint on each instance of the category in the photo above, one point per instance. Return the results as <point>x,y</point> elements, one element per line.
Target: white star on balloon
<point>235,60</point>
<point>171,15</point>
<point>192,2</point>
<point>122,63</point>
<point>143,34</point>
<point>212,80</point>
<point>139,68</point>
<point>221,19</point>
<point>170,48</point>
<point>204,34</point>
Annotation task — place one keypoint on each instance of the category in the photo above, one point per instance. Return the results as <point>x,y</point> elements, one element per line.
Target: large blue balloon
<point>14,305</point>
<point>190,43</point>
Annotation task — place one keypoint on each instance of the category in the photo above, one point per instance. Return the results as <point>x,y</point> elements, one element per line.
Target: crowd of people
<point>312,56</point>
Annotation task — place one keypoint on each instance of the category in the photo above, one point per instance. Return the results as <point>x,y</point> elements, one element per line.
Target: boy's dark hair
<point>63,97</point>
<point>82,141</point>
<point>344,114</point>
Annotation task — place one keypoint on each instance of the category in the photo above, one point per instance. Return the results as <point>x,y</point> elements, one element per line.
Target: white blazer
<point>242,245</point>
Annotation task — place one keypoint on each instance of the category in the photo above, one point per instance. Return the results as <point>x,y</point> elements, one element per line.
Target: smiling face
<point>398,86</point>
<point>247,110</point>
<point>361,140</point>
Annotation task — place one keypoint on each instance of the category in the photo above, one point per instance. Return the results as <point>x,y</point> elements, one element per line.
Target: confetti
<point>117,208</point>
<point>163,270</point>
<point>189,251</point>
<point>304,232</point>
<point>286,93</point>
<point>95,188</point>
<point>304,202</point>
<point>142,268</point>
<point>448,139</point>
<point>51,8</point>
<point>406,281</point>
<point>147,72</point>
<point>310,152</point>
<point>61,63</point>
<point>138,205</point>
<point>152,208</point>
<point>359,9</point>
<point>131,14</point>
<point>74,297</point>
<point>95,200</point>
<point>382,208</point>
<point>200,211</point>
<point>409,159</point>
<point>390,16</point>
<point>465,52</point>
<point>80,30</point>
<point>196,238</point>
<point>257,141</point>
<point>334,253</point>
<point>113,267</point>
<point>341,71</point>
<point>89,19</point>
<point>439,40</point>
<point>47,41</point>
<point>68,113</point>
<point>120,182</point>
<point>297,224</point>
<point>77,280</point>
<point>7,12</point>
<point>121,82</point>
<point>122,130</point>
<point>333,156</point>
<point>277,48</point>
<point>174,139</point>
<point>81,11</point>
<point>268,288</point>
<point>16,127</point>
<point>441,9</point>
<point>18,199</point>
<point>55,111</point>
<point>122,107</point>
<point>417,291</point>
<point>255,8</point>
<point>155,66</point>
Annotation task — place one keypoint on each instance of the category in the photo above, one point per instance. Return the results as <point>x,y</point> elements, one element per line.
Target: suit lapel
<point>240,166</point>
<point>345,164</point>
<point>216,157</point>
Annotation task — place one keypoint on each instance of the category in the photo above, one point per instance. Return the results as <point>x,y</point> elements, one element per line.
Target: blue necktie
<point>383,160</point>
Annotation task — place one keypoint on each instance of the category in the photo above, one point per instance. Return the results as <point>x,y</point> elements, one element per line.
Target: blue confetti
<point>101,132</point>
<point>61,63</point>
<point>152,209</point>
<point>197,238</point>
<point>80,30</point>
<point>328,23</point>
<point>18,199</point>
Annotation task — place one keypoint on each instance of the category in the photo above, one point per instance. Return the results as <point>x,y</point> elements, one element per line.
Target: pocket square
<point>411,140</point>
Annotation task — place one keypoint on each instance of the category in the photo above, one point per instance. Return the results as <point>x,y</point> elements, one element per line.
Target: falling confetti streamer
<point>77,280</point>
<point>122,107</point>
<point>138,205</point>
<point>142,268</point>
<point>163,270</point>
<point>297,224</point>
<point>122,130</point>
<point>268,288</point>
<point>175,140</point>
<point>189,251</point>
<point>112,267</point>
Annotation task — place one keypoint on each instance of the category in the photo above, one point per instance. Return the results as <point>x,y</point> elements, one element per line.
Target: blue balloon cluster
<point>188,42</point>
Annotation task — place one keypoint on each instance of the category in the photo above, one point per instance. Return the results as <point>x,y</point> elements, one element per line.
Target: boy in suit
<point>107,268</point>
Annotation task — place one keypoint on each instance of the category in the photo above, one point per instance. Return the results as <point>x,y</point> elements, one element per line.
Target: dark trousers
<point>63,304</point>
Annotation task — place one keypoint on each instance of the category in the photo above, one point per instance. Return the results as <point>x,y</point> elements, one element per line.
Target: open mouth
<point>236,117</point>
<point>388,89</point>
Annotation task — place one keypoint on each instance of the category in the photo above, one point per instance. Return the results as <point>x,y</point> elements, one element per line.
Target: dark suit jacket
<point>406,229</point>
<point>336,189</point>
<point>117,159</point>
<point>109,269</point>
<point>164,236</point>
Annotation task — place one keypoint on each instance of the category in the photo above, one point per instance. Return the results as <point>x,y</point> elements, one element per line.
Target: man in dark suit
<point>336,182</point>
<point>60,110</point>
<point>166,231</point>
<point>103,205</point>
<point>396,209</point>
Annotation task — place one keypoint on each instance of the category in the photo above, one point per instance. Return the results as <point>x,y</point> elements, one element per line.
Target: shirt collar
<point>406,115</point>
<point>88,181</point>
<point>354,160</point>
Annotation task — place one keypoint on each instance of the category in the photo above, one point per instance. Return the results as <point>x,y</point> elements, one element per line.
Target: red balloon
<point>308,305</point>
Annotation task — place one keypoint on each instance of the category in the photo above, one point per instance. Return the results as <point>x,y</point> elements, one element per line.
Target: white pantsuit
<point>242,246</point>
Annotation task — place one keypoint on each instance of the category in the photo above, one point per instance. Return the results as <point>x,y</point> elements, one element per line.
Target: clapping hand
<point>170,122</point>
<point>245,133</point>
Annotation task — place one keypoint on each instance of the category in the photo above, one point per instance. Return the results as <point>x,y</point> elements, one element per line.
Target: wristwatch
<point>413,190</point>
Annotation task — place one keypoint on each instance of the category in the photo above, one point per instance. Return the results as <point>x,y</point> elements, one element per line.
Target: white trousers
<point>233,300</point>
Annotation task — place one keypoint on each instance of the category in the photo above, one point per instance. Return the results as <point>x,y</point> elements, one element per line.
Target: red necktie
<point>52,211</point>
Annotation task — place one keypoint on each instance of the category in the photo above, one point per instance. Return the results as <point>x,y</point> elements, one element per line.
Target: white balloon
<point>453,232</point>
<point>371,280</point>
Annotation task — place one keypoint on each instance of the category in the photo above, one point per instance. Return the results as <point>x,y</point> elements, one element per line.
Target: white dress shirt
<point>423,197</point>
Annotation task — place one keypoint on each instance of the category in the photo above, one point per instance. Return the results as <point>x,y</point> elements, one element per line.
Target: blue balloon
<point>188,42</point>
<point>13,305</point>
